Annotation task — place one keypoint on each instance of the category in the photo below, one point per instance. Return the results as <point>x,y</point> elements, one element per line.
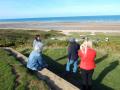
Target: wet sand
<point>65,27</point>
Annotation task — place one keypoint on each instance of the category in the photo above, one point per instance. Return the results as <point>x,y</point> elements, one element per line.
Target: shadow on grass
<point>59,69</point>
<point>53,65</point>
<point>61,58</point>
<point>101,58</point>
<point>97,82</point>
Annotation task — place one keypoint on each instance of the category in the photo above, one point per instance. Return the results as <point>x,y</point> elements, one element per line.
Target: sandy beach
<point>65,27</point>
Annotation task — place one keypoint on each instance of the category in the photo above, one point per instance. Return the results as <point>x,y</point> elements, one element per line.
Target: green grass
<point>14,76</point>
<point>106,74</point>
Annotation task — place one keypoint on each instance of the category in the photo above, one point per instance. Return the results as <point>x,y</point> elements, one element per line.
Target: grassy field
<point>14,76</point>
<point>106,74</point>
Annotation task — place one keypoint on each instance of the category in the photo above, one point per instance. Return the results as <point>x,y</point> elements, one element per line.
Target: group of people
<point>87,64</point>
<point>75,51</point>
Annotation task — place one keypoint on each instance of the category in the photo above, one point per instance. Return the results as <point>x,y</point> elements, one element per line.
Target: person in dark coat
<point>73,48</point>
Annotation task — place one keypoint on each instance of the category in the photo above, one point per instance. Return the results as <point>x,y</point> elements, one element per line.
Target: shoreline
<point>67,32</point>
<point>64,27</point>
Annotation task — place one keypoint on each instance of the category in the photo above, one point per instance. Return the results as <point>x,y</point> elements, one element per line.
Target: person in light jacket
<point>35,60</point>
<point>36,40</point>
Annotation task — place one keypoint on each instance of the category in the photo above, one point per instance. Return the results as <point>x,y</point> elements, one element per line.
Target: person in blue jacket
<point>35,60</point>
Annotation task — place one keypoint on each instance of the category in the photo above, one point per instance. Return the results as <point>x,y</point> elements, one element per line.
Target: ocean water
<point>108,18</point>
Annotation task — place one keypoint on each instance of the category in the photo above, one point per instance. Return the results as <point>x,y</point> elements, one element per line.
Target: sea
<point>106,18</point>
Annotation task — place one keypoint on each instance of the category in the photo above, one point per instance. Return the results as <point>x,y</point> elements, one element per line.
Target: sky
<point>57,8</point>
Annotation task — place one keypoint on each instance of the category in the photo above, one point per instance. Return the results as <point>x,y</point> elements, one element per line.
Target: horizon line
<point>57,17</point>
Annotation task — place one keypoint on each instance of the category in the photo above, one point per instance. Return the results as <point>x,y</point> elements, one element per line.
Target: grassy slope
<point>106,74</point>
<point>107,71</point>
<point>14,75</point>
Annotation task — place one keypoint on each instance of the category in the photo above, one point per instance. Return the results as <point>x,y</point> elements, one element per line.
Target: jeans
<point>75,66</point>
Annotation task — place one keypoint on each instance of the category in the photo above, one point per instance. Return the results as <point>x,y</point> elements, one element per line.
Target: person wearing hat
<point>73,48</point>
<point>35,60</point>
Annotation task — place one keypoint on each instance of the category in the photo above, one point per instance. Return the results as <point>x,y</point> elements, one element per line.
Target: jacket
<point>87,60</point>
<point>35,61</point>
<point>73,51</point>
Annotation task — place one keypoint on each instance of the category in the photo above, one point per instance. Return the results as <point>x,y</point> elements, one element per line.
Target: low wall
<point>55,82</point>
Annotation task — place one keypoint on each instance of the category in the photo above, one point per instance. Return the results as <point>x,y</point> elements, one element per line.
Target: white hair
<point>84,46</point>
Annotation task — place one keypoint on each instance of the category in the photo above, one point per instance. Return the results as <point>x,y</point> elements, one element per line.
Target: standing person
<point>87,64</point>
<point>72,55</point>
<point>35,60</point>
